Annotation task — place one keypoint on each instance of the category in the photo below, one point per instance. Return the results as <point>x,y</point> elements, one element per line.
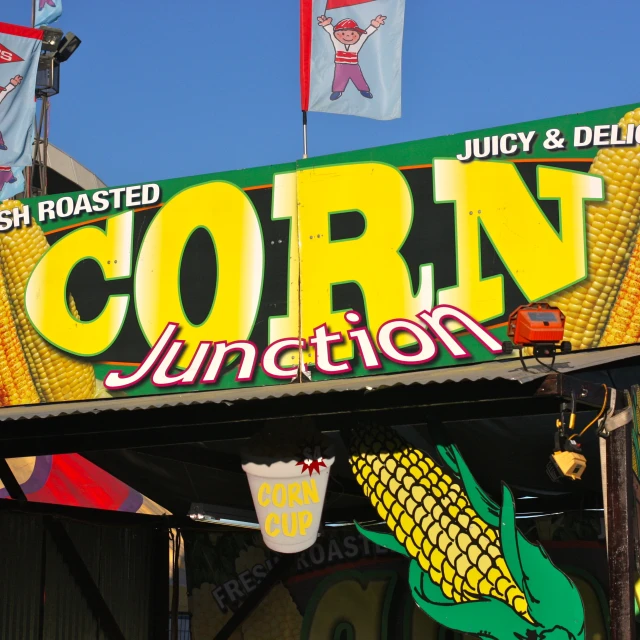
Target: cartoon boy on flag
<point>11,183</point>
<point>336,74</point>
<point>6,177</point>
<point>4,92</point>
<point>348,38</point>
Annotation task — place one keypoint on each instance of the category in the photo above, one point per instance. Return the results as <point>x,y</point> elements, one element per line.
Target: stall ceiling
<point>511,450</point>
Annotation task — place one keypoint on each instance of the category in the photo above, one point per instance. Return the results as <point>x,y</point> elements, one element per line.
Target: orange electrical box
<point>536,323</point>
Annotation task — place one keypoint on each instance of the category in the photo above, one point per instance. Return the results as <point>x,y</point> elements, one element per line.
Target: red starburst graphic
<point>6,55</point>
<point>311,465</point>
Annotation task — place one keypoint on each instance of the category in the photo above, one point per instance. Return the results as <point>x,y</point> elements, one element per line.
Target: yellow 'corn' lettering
<point>492,195</point>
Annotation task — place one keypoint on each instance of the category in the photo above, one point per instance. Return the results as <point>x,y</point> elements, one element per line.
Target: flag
<point>351,57</point>
<point>11,182</point>
<point>47,12</point>
<point>19,54</point>
<point>338,4</point>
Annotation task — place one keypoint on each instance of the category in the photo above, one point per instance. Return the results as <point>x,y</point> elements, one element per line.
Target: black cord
<point>339,495</point>
<point>550,367</point>
<point>524,366</point>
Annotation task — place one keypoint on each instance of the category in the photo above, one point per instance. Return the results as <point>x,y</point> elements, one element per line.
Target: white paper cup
<point>288,503</point>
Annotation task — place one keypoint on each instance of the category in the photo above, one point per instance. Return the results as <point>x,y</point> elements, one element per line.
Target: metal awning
<point>72,170</point>
<point>505,369</point>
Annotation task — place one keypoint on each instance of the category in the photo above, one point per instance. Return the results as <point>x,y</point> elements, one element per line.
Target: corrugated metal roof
<point>506,369</point>
<point>118,558</point>
<point>21,540</point>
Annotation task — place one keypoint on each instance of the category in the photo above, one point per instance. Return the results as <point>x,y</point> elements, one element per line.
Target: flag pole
<point>28,171</point>
<point>304,135</point>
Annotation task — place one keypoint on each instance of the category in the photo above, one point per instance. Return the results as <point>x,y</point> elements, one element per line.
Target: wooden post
<point>620,543</point>
<point>619,499</point>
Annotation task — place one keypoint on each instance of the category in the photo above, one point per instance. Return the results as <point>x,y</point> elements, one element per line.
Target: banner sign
<point>351,57</point>
<point>343,587</point>
<point>47,11</point>
<point>19,54</point>
<point>11,182</point>
<point>397,258</point>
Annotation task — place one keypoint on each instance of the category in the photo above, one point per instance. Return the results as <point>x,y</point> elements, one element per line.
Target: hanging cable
<point>548,366</point>
<point>600,414</point>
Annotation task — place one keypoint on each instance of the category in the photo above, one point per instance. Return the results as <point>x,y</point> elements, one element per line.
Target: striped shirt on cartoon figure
<point>348,38</point>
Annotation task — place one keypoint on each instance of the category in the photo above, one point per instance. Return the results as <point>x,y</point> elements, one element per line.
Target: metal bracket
<point>586,393</point>
<point>613,420</point>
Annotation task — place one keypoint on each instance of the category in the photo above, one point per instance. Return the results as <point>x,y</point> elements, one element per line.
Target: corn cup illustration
<point>287,467</point>
<point>471,570</point>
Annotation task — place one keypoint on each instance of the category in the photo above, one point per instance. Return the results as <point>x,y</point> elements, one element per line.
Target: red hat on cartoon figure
<point>348,25</point>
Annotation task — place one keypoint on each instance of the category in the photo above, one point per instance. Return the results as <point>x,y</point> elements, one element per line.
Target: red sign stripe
<point>306,19</point>
<point>17,30</point>
<point>338,4</point>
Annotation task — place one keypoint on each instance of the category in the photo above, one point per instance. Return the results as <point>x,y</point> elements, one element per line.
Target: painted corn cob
<point>57,376</point>
<point>16,385</point>
<point>612,226</point>
<point>435,522</point>
<point>623,326</point>
<point>277,617</point>
<point>471,570</point>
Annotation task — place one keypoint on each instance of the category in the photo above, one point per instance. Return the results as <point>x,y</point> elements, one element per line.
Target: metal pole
<point>29,171</point>
<point>45,150</point>
<point>37,149</point>
<point>304,134</point>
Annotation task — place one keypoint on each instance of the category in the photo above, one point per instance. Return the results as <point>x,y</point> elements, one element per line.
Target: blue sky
<point>162,89</point>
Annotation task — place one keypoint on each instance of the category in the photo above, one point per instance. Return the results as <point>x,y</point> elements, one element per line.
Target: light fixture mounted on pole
<point>56,49</point>
<point>67,47</point>
<point>51,39</point>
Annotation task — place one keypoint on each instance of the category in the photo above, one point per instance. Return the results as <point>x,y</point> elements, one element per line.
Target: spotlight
<point>67,47</point>
<point>566,464</point>
<point>51,39</point>
<point>537,326</point>
<point>567,459</point>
